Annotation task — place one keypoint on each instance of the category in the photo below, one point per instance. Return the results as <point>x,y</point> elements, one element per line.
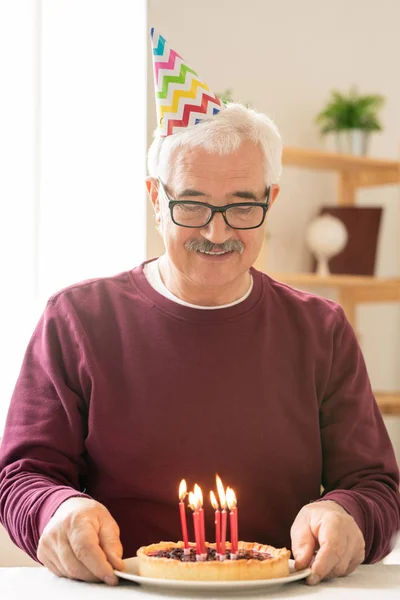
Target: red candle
<point>182,511</point>
<point>218,531</point>
<point>234,531</point>
<point>231,501</point>
<point>224,518</point>
<point>217,522</point>
<point>199,504</point>
<point>184,525</point>
<point>202,531</point>
<point>196,522</point>
<point>197,532</point>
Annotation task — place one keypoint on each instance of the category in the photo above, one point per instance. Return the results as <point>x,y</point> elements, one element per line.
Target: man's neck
<point>183,288</point>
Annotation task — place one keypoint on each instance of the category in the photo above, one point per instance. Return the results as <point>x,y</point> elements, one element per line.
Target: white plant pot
<point>352,141</point>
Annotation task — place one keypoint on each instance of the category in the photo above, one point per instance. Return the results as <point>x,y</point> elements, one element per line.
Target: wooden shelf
<point>388,402</point>
<point>362,171</point>
<point>362,288</point>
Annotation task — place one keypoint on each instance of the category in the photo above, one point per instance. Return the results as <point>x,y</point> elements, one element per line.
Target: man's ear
<point>275,189</point>
<point>153,192</point>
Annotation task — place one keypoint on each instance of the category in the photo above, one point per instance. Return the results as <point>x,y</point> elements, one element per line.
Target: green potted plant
<point>226,97</point>
<point>352,117</point>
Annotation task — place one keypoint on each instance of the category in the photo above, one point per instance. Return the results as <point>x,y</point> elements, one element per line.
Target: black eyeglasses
<point>241,215</point>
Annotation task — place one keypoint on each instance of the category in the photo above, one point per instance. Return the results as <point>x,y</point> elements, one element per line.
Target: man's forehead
<point>188,162</point>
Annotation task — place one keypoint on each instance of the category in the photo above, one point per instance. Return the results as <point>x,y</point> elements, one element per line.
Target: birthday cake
<point>167,560</point>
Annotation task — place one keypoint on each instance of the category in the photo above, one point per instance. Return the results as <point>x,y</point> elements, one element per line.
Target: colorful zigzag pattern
<point>182,99</point>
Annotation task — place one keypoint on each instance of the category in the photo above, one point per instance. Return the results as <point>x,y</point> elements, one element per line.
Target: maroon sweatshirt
<point>123,392</point>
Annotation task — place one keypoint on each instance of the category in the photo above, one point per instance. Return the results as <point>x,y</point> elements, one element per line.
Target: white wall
<point>72,145</point>
<point>18,187</point>
<point>10,555</point>
<point>284,58</point>
<point>92,74</point>
<point>72,123</point>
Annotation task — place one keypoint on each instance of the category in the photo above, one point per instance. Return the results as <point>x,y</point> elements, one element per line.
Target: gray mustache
<point>204,245</point>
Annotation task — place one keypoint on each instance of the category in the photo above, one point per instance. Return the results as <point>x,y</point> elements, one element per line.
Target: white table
<point>368,581</point>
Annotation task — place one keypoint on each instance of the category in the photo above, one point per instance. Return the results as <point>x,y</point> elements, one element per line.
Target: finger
<point>350,561</point>
<point>72,567</point>
<point>59,558</point>
<point>352,566</point>
<point>357,556</point>
<point>51,566</point>
<point>303,544</point>
<point>48,560</point>
<point>339,570</point>
<point>111,544</point>
<point>331,552</point>
<point>85,545</point>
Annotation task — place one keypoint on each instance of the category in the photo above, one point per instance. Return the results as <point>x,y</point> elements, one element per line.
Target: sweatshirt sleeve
<point>42,451</point>
<point>359,467</point>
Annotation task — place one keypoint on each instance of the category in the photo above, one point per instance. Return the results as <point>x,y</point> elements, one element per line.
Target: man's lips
<point>215,255</point>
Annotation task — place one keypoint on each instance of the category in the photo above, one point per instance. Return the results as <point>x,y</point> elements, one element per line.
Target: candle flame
<point>192,501</point>
<point>231,498</point>
<point>199,495</point>
<point>214,501</point>
<point>182,489</point>
<point>221,492</point>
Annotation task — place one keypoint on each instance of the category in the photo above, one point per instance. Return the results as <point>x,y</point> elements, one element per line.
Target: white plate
<point>131,573</point>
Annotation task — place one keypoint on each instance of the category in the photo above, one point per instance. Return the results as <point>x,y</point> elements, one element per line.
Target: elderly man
<point>192,364</point>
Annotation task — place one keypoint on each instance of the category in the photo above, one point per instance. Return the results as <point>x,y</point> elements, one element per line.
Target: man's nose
<point>217,231</point>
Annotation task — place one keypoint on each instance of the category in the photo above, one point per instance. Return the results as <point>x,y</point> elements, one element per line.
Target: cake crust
<point>275,564</point>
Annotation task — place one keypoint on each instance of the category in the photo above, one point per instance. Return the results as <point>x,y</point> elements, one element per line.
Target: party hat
<point>182,99</point>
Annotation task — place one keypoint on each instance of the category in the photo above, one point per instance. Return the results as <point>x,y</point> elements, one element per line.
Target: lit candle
<point>196,524</point>
<point>232,505</point>
<point>224,515</point>
<point>199,496</point>
<point>217,522</point>
<point>182,511</point>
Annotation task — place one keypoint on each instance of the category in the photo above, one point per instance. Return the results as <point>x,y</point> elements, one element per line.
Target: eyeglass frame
<point>216,209</point>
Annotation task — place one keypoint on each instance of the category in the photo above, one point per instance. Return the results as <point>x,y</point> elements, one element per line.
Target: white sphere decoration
<point>326,236</point>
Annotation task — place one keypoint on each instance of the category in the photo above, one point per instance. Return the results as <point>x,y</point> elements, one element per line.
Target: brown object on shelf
<point>359,255</point>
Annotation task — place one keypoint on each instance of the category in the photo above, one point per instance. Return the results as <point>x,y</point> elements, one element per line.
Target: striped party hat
<point>182,99</point>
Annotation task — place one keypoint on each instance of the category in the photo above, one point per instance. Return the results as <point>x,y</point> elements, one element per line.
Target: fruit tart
<point>167,560</point>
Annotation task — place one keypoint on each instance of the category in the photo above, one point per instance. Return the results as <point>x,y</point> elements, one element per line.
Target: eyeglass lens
<point>197,215</point>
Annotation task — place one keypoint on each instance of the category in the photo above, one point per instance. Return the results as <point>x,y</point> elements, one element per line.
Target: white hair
<point>222,134</point>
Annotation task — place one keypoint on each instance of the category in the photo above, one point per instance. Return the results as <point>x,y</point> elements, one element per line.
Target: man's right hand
<point>81,541</point>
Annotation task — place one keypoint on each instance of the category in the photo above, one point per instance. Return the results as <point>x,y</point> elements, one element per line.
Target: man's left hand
<point>327,528</point>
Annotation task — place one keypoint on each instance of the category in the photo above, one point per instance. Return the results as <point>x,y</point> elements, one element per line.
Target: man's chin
<point>215,275</point>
